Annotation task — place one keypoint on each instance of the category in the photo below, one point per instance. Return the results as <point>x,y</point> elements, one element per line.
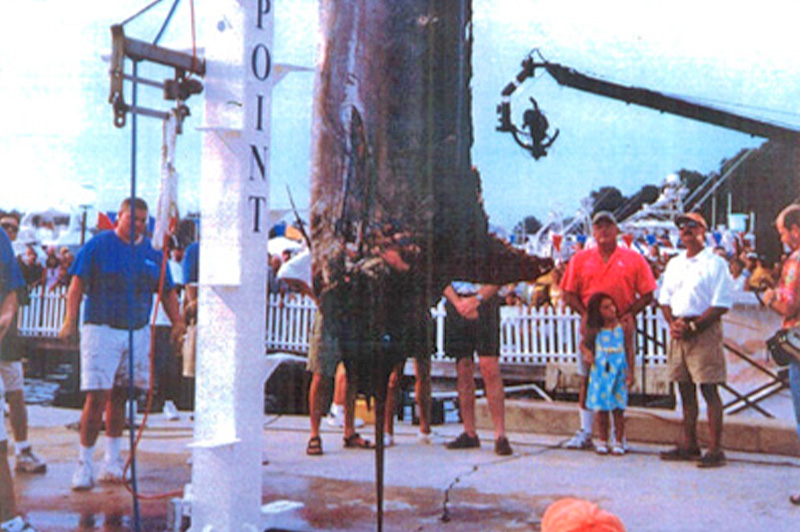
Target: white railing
<point>528,336</point>
<point>43,315</point>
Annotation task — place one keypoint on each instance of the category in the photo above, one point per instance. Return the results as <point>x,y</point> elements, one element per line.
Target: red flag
<point>628,239</point>
<point>557,239</point>
<point>104,222</point>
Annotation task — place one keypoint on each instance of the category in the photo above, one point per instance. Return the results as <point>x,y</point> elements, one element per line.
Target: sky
<point>59,146</point>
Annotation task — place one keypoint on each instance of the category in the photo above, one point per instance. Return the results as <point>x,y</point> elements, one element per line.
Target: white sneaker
<point>28,461</point>
<point>112,471</point>
<point>581,441</point>
<point>425,439</point>
<point>18,524</point>
<point>171,411</point>
<point>335,420</point>
<point>83,478</point>
<point>388,441</point>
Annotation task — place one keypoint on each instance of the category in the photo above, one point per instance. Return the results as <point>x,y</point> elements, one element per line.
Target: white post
<point>229,405</point>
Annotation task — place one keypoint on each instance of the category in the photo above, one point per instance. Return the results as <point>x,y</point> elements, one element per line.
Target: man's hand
<point>5,324</point>
<point>679,328</point>
<point>177,333</point>
<point>630,379</point>
<point>395,260</point>
<point>69,330</point>
<point>468,307</point>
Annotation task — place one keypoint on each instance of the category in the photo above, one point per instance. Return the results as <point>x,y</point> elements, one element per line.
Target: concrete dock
<point>429,488</point>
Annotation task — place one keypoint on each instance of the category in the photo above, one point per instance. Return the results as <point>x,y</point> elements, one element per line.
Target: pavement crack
<point>445,518</point>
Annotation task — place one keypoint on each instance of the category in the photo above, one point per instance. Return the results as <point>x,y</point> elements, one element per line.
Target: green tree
<point>607,199</point>
<point>529,225</point>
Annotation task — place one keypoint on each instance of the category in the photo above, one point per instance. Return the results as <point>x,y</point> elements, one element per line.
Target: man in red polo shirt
<point>621,273</point>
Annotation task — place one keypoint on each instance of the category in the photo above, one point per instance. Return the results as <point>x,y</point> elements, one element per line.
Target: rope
<point>140,12</point>
<point>167,208</point>
<point>166,222</point>
<point>194,36</point>
<point>137,521</point>
<point>166,21</point>
<point>150,387</point>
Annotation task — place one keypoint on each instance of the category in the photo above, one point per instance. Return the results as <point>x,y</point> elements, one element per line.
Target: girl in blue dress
<point>609,350</point>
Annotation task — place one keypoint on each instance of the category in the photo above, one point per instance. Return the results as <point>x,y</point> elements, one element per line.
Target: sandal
<point>355,441</point>
<point>314,447</point>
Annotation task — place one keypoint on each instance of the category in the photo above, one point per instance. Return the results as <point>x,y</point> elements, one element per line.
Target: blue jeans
<point>794,383</point>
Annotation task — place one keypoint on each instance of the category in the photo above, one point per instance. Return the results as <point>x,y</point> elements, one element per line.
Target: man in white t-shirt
<point>696,292</point>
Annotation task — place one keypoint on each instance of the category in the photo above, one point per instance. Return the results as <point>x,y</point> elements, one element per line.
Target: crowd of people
<point>607,284</point>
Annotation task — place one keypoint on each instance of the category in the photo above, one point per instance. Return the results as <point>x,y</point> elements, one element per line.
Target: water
<point>56,386</point>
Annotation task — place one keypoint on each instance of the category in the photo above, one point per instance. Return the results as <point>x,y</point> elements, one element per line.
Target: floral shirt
<point>789,286</point>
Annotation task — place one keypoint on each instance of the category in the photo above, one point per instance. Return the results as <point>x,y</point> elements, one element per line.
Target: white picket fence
<point>43,316</point>
<point>528,336</point>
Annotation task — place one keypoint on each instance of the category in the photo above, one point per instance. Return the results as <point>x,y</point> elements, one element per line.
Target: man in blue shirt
<point>118,278</point>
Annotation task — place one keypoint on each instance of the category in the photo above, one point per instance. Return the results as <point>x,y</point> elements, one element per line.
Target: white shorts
<point>11,375</point>
<point>3,433</point>
<point>104,357</point>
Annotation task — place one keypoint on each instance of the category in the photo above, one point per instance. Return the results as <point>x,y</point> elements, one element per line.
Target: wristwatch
<point>479,297</point>
<point>693,326</point>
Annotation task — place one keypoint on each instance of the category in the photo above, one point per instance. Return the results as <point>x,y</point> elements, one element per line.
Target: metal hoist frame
<point>177,89</point>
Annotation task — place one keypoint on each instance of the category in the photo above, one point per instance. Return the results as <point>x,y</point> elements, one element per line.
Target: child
<point>608,347</point>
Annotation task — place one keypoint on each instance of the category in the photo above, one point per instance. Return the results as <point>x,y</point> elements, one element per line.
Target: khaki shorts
<point>323,353</point>
<point>12,375</point>
<point>699,359</point>
<point>104,357</point>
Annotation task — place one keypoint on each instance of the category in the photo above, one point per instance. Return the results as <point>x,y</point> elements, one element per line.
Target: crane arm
<point>668,104</point>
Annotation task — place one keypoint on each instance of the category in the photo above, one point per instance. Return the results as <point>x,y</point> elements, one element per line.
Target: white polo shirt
<point>691,285</point>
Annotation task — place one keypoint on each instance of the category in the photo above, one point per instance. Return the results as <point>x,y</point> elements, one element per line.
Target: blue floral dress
<point>607,388</point>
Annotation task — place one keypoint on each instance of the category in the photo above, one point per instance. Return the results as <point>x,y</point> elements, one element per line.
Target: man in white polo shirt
<point>696,292</point>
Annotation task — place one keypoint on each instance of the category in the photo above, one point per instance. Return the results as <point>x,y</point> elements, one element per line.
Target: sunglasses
<point>691,224</point>
<point>10,227</point>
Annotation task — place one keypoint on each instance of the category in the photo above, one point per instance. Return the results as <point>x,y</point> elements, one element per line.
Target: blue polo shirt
<point>191,263</point>
<point>10,274</point>
<point>10,279</point>
<point>119,280</point>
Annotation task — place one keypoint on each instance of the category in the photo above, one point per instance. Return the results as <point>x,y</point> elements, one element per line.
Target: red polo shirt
<point>625,275</point>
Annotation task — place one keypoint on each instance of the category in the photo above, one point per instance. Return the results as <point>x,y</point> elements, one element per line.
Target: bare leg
<point>495,393</point>
<point>582,392</point>
<point>115,412</point>
<point>392,391</point>
<point>92,416</point>
<point>619,424</point>
<point>465,368</point>
<point>340,386</point>
<point>316,396</point>
<point>350,405</point>
<point>690,410</point>
<point>8,501</point>
<point>602,425</point>
<point>422,389</point>
<point>714,404</point>
<point>18,415</point>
